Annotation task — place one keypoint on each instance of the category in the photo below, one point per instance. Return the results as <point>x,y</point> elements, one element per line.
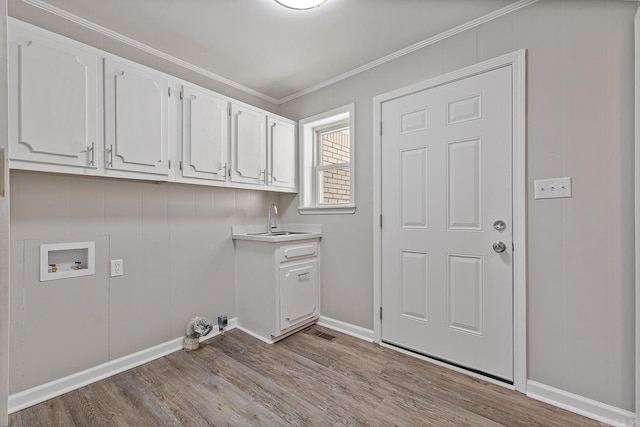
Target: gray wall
<point>580,124</point>
<point>4,226</point>
<point>178,255</point>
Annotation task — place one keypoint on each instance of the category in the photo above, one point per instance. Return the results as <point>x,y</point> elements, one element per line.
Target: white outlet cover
<point>552,188</point>
<point>117,267</point>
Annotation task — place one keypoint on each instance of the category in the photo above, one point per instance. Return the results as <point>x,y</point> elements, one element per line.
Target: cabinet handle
<point>93,153</point>
<point>224,168</point>
<point>303,275</point>
<point>111,155</point>
<point>263,174</point>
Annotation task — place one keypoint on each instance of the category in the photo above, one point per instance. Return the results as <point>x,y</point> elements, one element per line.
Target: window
<point>326,159</point>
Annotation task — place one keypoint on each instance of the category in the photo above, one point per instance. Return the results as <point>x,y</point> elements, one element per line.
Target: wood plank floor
<point>303,380</point>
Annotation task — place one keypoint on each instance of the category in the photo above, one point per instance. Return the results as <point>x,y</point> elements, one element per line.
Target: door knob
<point>499,224</point>
<point>499,247</point>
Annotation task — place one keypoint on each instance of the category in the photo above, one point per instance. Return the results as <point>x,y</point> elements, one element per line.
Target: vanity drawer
<point>296,252</point>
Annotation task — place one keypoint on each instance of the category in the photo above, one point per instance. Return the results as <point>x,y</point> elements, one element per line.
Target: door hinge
<point>380,313</point>
<point>180,164</point>
<point>181,95</point>
<point>380,220</point>
<point>169,164</point>
<point>169,92</point>
<point>380,128</point>
<point>229,110</point>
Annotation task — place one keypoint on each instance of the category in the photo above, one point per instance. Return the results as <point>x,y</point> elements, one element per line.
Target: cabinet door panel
<point>54,95</point>
<point>205,135</point>
<point>282,154</point>
<point>248,141</point>
<point>298,293</point>
<point>136,119</point>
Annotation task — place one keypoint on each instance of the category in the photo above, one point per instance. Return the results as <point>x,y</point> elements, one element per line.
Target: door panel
<point>446,163</point>
<point>282,154</point>
<point>55,102</point>
<point>248,142</point>
<point>298,293</point>
<point>136,103</point>
<point>205,135</point>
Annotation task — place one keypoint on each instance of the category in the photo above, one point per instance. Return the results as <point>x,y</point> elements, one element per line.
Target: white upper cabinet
<point>136,118</point>
<point>248,145</point>
<point>55,94</point>
<point>281,154</point>
<point>205,134</point>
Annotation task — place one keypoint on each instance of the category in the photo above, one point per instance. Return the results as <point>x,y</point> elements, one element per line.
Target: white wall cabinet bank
<point>280,293</point>
<point>77,110</point>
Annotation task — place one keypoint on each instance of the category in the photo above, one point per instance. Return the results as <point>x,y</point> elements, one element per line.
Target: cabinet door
<point>205,135</point>
<point>281,159</point>
<point>136,114</point>
<point>299,296</point>
<point>54,101</point>
<point>248,143</point>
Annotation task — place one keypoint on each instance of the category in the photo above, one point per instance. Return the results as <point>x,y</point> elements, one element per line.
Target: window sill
<point>327,210</point>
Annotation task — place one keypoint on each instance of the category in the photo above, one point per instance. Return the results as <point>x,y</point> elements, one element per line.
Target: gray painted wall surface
<point>4,226</point>
<point>178,255</point>
<point>580,124</point>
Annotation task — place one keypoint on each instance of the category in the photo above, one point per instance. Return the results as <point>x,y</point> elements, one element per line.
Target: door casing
<point>517,61</point>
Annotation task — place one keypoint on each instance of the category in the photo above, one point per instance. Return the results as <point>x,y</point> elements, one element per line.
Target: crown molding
<point>40,4</point>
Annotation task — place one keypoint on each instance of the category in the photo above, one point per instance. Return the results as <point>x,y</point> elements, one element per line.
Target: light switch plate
<point>552,188</point>
<point>116,268</point>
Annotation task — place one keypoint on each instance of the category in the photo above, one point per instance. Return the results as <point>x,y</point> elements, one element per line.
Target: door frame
<point>517,60</point>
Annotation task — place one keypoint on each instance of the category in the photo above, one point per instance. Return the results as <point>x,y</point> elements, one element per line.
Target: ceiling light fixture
<point>300,4</point>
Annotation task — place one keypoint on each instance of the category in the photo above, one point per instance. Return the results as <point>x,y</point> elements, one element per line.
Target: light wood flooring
<point>303,380</point>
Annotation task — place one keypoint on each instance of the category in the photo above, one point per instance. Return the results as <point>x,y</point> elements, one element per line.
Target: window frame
<point>310,157</point>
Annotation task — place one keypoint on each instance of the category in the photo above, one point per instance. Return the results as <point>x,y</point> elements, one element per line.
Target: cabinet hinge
<point>169,164</point>
<point>380,313</point>
<point>229,110</point>
<point>169,92</point>
<point>180,164</point>
<point>181,95</point>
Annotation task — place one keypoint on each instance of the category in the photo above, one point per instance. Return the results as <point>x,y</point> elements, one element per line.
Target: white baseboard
<point>346,328</point>
<point>32,396</point>
<point>580,405</point>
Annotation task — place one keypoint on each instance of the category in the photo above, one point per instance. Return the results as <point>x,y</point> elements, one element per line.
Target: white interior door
<point>447,292</point>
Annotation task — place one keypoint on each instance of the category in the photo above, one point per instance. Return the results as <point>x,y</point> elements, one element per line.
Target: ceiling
<point>272,50</point>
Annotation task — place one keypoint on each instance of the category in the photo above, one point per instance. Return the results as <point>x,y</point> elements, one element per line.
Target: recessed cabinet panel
<point>281,154</point>
<point>205,135</point>
<point>136,103</point>
<point>298,293</point>
<point>248,142</point>
<point>54,101</point>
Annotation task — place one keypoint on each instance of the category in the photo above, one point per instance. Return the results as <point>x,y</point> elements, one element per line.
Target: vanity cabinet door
<point>281,154</point>
<point>136,114</point>
<point>299,293</point>
<point>55,94</point>
<point>205,135</point>
<point>248,144</point>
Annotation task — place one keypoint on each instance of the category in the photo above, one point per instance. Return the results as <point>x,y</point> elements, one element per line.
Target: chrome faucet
<point>272,223</point>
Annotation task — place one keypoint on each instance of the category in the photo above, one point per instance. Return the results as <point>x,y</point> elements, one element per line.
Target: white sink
<point>283,233</point>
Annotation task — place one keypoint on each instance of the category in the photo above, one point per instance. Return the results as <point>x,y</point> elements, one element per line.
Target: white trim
<point>517,60</point>
<point>328,210</point>
<point>346,328</point>
<point>32,396</point>
<point>580,405</point>
<point>393,56</point>
<point>637,206</point>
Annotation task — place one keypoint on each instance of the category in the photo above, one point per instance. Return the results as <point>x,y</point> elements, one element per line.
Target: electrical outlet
<point>222,321</point>
<point>116,267</point>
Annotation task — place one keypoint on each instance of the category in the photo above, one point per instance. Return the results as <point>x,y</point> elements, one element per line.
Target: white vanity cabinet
<point>205,135</point>
<point>277,286</point>
<point>136,118</point>
<point>55,98</point>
